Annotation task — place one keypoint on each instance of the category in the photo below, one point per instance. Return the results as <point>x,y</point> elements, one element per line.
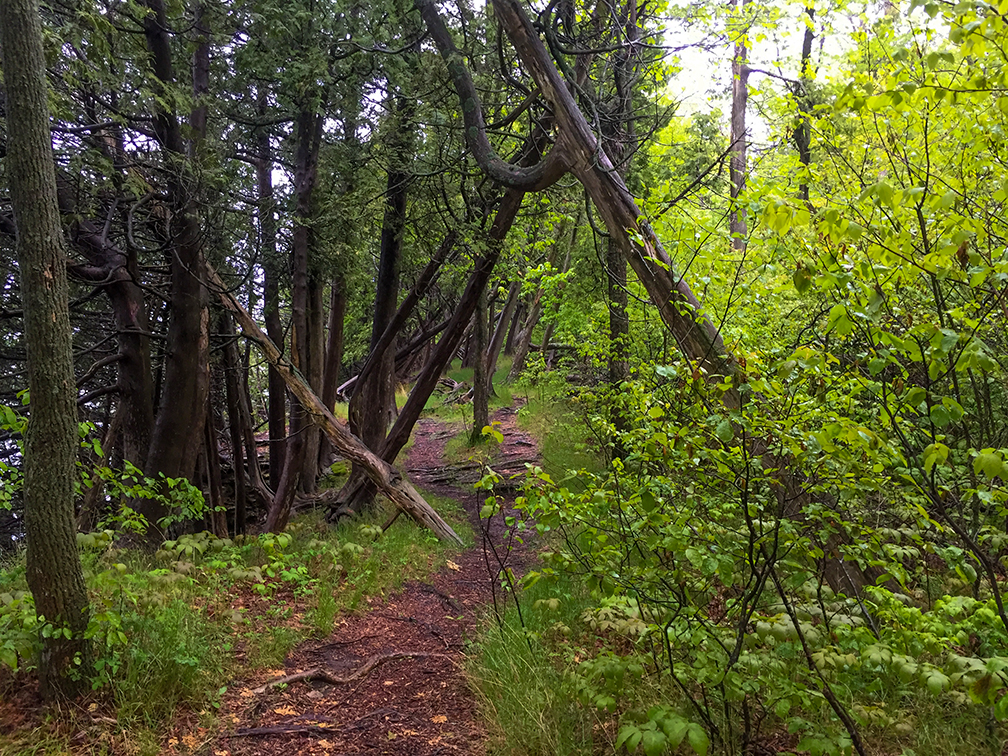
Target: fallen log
<point>388,480</point>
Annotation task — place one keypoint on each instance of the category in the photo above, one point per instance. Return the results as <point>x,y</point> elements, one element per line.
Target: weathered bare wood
<point>388,480</point>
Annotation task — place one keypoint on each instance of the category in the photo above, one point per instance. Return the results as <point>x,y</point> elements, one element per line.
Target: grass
<point>184,621</point>
<point>519,676</point>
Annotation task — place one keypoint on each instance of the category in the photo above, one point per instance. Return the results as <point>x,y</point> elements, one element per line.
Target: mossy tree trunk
<point>54,570</point>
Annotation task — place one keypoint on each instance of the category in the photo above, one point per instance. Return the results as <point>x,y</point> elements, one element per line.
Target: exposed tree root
<point>321,673</point>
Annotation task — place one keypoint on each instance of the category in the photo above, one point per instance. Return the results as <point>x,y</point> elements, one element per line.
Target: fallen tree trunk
<point>388,480</point>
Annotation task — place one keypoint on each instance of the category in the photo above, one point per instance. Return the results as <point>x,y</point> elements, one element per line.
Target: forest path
<point>414,698</point>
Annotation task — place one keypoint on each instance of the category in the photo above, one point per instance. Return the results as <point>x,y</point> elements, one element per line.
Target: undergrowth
<point>172,630</point>
<point>632,633</point>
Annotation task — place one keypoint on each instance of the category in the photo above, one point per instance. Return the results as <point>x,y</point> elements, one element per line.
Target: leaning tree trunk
<point>388,480</point>
<point>53,568</point>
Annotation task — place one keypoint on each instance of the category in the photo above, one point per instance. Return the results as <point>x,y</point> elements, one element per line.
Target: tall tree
<point>53,563</point>
<point>739,144</point>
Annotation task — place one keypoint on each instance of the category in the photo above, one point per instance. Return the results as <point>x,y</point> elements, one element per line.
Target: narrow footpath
<point>390,680</point>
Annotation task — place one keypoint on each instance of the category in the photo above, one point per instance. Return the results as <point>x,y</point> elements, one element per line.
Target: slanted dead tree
<point>386,478</point>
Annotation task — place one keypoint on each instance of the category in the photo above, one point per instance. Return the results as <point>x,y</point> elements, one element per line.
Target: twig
<point>321,673</point>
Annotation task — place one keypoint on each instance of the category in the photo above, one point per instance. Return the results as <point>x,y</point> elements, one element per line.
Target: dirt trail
<point>419,705</point>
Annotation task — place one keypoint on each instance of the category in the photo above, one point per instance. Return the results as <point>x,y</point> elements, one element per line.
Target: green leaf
<point>802,280</point>
<point>675,729</point>
<point>648,501</point>
<point>1001,709</point>
<point>724,431</point>
<point>988,462</point>
<point>625,733</point>
<point>936,683</point>
<point>698,739</point>
<point>653,742</point>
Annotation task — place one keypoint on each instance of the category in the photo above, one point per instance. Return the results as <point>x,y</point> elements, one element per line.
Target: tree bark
<point>515,329</point>
<point>117,272</point>
<point>309,135</point>
<point>216,507</point>
<point>316,376</point>
<point>372,405</point>
<point>803,96</point>
<point>53,568</point>
<point>333,357</point>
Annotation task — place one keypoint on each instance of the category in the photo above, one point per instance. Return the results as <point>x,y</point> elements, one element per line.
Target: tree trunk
<point>277,402</point>
<point>234,399</point>
<point>315,375</point>
<point>481,391</point>
<point>309,135</point>
<point>53,568</point>
<point>175,441</point>
<point>737,161</point>
<point>372,405</point>
<point>492,353</point>
<point>515,329</point>
<point>94,501</point>
<point>619,322</point>
<point>333,357</point>
<point>216,507</point>
<point>803,130</point>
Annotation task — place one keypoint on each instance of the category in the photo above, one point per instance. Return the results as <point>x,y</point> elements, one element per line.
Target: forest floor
<point>390,679</point>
